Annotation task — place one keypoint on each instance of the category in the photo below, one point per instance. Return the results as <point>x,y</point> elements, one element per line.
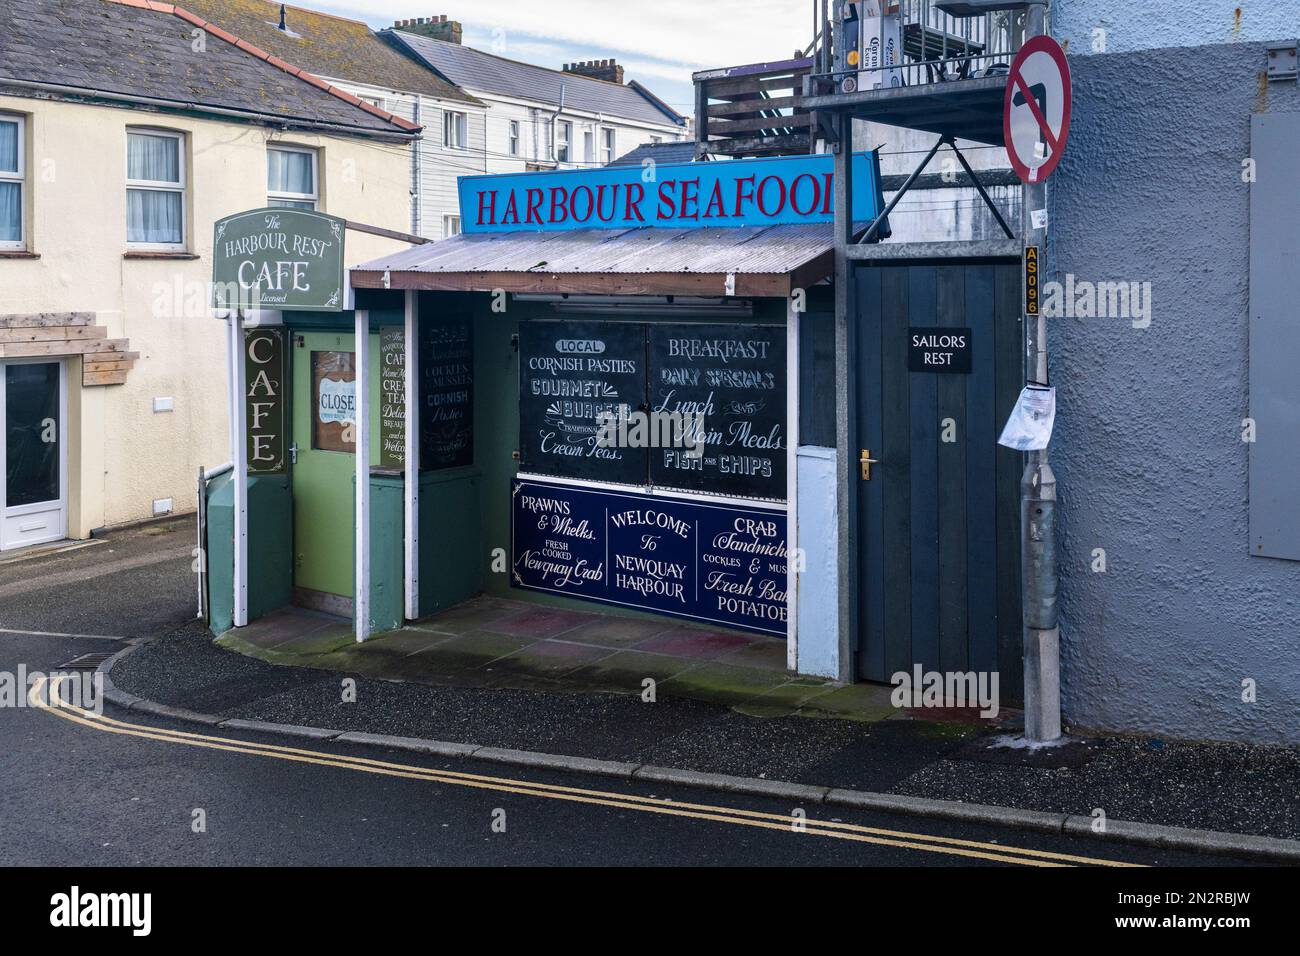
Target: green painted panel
<point>387,556</point>
<point>323,479</point>
<point>450,569</point>
<point>221,554</point>
<point>270,544</point>
<point>270,535</point>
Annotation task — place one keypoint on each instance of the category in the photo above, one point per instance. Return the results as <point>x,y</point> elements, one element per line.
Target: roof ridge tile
<point>271,60</point>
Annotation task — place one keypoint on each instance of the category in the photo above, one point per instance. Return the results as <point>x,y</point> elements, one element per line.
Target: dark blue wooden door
<point>938,540</point>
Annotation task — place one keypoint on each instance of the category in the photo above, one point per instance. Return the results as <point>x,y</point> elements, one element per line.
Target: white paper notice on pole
<point>1030,426</point>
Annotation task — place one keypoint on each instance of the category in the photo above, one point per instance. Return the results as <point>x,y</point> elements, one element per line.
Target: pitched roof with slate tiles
<point>328,45</point>
<point>126,49</point>
<point>475,70</point>
<point>682,151</point>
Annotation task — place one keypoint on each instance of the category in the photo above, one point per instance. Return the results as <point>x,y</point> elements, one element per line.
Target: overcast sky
<point>659,43</point>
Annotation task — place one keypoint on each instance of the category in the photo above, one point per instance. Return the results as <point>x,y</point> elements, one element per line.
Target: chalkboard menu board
<point>569,373</point>
<point>734,375</point>
<point>702,560</point>
<point>392,397</point>
<point>446,392</point>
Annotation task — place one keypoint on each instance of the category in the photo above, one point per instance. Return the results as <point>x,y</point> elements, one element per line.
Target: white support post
<point>239,459</point>
<point>792,480</point>
<point>412,521</point>
<point>361,431</point>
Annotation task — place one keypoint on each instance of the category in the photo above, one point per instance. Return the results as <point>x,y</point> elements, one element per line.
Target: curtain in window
<point>8,147</point>
<point>11,193</point>
<point>153,215</point>
<point>289,172</point>
<point>153,158</point>
<point>11,212</point>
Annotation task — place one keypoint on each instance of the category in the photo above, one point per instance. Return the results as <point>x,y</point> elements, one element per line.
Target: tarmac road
<point>128,789</point>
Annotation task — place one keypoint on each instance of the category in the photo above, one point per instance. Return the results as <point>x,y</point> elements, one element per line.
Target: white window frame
<point>312,197</point>
<point>145,184</point>
<point>564,142</point>
<point>513,137</point>
<point>608,144</point>
<point>19,177</point>
<point>450,226</point>
<point>589,146</point>
<point>457,123</point>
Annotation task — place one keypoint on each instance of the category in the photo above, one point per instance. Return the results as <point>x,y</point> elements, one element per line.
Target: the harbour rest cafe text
<point>443,428</point>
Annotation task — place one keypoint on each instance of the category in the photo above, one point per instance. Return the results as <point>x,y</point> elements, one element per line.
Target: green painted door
<point>324,374</point>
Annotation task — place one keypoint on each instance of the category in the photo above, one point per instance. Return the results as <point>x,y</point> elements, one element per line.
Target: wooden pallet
<point>751,110</point>
<point>104,361</point>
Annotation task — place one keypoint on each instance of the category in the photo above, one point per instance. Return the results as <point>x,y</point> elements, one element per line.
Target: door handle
<point>866,461</point>
<point>293,454</point>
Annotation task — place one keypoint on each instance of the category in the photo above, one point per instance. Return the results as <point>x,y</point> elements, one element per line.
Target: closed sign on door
<point>938,350</point>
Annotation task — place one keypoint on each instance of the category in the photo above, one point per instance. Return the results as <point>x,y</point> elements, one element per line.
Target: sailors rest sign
<point>756,192</point>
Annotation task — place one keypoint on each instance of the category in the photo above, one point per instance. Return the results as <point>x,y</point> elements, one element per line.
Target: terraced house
<point>582,116</point>
<point>127,128</point>
<point>353,58</point>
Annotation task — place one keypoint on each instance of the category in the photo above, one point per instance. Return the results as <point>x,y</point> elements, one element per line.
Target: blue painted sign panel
<point>724,564</point>
<point>746,192</point>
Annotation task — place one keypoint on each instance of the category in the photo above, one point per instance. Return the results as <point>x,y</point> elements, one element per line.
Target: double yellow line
<point>972,849</point>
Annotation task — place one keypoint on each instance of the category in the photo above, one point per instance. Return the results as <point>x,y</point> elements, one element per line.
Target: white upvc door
<point>33,452</point>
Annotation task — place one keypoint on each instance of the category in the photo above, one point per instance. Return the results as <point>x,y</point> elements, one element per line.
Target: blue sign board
<point>720,563</point>
<point>744,192</point>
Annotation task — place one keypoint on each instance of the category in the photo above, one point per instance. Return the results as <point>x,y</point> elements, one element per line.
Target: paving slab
<point>469,651</point>
<point>550,659</point>
<point>693,644</point>
<point>473,615</point>
<point>538,623</point>
<point>279,627</point>
<point>855,701</point>
<point>765,654</point>
<point>624,671</point>
<point>723,683</point>
<point>407,641</point>
<point>615,632</point>
<point>323,640</point>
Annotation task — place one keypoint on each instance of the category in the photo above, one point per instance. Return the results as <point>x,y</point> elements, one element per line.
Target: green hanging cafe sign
<point>278,258</point>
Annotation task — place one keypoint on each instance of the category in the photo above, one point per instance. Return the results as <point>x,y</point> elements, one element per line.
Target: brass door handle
<point>866,461</point>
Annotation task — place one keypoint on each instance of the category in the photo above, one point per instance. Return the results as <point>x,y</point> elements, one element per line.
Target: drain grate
<point>85,662</point>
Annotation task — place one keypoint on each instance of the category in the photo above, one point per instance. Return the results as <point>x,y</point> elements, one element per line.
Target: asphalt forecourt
<point>43,688</point>
<point>1107,889</point>
<point>1242,848</point>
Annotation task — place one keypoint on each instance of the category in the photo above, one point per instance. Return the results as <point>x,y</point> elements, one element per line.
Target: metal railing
<point>935,46</point>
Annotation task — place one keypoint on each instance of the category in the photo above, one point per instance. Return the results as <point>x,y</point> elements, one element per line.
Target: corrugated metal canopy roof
<point>670,260</point>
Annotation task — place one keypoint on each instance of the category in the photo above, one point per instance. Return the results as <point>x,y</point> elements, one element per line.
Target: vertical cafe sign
<point>265,375</point>
<point>278,258</point>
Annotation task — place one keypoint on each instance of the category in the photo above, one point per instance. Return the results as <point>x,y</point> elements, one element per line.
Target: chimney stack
<point>597,70</point>
<point>436,28</point>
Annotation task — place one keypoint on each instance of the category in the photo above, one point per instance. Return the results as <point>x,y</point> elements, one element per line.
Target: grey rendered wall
<point>1148,445</point>
<point>1133,26</point>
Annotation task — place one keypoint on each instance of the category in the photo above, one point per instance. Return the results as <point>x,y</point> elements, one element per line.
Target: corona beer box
<point>881,29</point>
